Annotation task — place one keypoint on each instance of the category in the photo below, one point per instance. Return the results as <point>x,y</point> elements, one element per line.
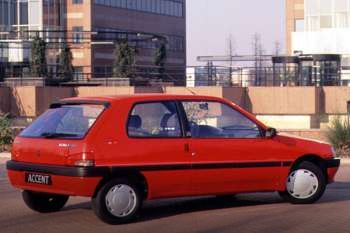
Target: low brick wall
<point>317,134</point>
<point>279,107</point>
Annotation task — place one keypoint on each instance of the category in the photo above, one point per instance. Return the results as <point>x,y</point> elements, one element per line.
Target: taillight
<point>84,159</point>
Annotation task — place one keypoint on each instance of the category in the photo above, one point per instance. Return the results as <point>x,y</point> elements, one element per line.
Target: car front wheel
<point>44,202</point>
<point>117,202</point>
<point>305,184</point>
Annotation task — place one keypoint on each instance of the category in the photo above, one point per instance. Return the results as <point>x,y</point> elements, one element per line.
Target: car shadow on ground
<point>169,207</point>
<point>157,209</point>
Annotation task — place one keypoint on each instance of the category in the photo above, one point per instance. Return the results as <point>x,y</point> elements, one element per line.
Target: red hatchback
<point>123,150</point>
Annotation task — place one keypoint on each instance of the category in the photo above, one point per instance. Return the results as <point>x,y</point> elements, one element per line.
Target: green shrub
<point>5,131</point>
<point>339,135</point>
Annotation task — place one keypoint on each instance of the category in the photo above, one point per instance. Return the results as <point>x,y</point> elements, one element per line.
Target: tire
<point>305,184</point>
<point>44,202</point>
<point>117,202</point>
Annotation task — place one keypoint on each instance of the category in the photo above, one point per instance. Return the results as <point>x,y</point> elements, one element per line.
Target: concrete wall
<point>280,107</point>
<point>47,95</point>
<point>312,134</point>
<point>336,99</point>
<point>97,91</point>
<point>287,121</point>
<point>235,94</point>
<point>282,100</point>
<point>23,101</point>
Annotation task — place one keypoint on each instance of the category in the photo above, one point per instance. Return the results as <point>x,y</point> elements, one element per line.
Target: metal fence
<point>20,74</point>
<point>15,74</point>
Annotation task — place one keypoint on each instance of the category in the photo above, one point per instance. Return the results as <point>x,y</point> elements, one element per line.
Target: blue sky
<point>210,22</point>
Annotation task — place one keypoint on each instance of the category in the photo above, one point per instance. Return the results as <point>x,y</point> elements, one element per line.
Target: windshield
<point>66,121</point>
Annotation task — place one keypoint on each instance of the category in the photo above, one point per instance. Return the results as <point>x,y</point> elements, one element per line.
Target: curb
<point>345,161</point>
<point>5,155</point>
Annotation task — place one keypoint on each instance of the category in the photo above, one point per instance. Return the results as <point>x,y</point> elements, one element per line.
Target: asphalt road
<point>246,213</point>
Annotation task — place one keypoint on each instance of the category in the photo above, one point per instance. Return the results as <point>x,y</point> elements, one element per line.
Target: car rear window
<point>66,121</point>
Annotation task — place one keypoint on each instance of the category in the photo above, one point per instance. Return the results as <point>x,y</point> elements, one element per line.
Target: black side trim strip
<point>331,163</point>
<point>104,171</point>
<point>287,163</point>
<point>58,170</point>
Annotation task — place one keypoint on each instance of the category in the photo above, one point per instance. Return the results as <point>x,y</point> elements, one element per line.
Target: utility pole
<point>277,51</point>
<point>258,52</point>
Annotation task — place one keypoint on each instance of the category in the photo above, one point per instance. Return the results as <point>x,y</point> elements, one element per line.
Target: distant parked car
<point>123,150</point>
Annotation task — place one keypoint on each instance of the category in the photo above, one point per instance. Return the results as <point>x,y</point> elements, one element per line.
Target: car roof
<point>142,97</point>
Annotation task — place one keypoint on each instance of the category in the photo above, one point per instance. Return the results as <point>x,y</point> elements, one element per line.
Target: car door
<point>229,152</point>
<point>155,146</point>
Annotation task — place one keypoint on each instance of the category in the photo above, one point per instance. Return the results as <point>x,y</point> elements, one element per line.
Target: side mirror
<point>270,133</point>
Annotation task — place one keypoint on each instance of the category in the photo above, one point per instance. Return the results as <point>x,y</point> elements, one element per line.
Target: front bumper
<point>332,166</point>
<point>332,163</point>
<point>72,181</point>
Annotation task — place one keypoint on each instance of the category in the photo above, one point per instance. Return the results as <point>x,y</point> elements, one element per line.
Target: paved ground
<point>248,213</point>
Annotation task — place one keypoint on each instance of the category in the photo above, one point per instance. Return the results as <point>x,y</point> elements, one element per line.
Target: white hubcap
<point>302,184</point>
<point>121,200</point>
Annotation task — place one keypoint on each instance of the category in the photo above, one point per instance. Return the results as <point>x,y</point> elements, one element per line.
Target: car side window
<point>156,119</point>
<point>209,119</point>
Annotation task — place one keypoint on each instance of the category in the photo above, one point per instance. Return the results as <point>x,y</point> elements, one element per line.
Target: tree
<point>38,65</point>
<point>65,69</point>
<point>5,131</point>
<point>160,57</point>
<point>124,60</point>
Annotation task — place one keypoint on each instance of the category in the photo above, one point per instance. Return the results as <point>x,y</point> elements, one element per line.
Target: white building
<point>325,29</point>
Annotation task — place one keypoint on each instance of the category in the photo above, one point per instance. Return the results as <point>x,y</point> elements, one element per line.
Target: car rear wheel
<point>117,202</point>
<point>305,184</point>
<point>44,202</point>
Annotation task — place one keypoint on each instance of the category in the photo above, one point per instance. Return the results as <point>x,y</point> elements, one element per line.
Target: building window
<point>299,25</point>
<point>164,7</point>
<point>174,43</point>
<point>78,35</point>
<point>23,9</point>
<point>341,20</point>
<point>77,1</point>
<point>313,23</point>
<point>325,21</point>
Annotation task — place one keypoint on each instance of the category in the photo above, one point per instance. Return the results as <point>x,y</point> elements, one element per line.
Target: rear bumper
<point>72,181</point>
<point>332,166</point>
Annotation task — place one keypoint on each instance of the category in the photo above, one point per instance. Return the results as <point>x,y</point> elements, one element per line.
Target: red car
<point>123,150</point>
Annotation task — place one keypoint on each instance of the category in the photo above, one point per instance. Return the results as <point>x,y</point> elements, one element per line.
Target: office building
<point>92,26</point>
<point>320,27</point>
